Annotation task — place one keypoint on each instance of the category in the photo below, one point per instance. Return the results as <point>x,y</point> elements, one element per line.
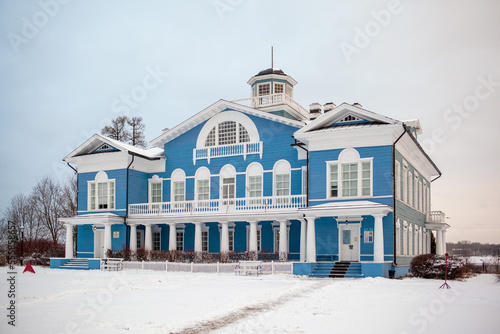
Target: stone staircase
<point>337,270</point>
<point>80,264</point>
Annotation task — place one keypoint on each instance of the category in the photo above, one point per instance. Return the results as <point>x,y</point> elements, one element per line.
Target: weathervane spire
<point>272,58</point>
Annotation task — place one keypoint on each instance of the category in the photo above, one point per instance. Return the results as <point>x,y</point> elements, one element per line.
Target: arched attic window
<point>228,133</point>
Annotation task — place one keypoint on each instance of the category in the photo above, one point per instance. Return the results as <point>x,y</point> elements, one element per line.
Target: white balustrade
<point>243,149</point>
<point>273,99</point>
<point>436,217</point>
<point>248,204</point>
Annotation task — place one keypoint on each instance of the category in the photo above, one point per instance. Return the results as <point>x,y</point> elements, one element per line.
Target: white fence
<point>267,267</point>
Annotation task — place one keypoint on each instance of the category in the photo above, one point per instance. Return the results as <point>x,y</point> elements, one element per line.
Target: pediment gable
<point>346,114</point>
<point>216,108</point>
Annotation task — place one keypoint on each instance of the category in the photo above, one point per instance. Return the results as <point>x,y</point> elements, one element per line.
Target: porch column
<point>283,240</point>
<point>133,237</point>
<point>69,241</point>
<point>148,238</point>
<point>378,239</point>
<point>172,237</point>
<point>198,247</point>
<point>107,238</point>
<point>429,232</point>
<point>303,236</point>
<point>311,239</point>
<point>439,242</point>
<point>224,240</point>
<point>444,242</point>
<point>252,247</point>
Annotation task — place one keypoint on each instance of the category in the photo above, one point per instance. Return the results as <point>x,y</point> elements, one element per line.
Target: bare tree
<point>137,132</point>
<point>118,129</point>
<point>22,210</point>
<point>47,195</point>
<point>69,197</point>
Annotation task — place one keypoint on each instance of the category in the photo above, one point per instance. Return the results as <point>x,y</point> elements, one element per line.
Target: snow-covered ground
<point>143,301</point>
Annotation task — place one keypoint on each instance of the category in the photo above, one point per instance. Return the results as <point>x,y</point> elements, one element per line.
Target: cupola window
<point>227,133</point>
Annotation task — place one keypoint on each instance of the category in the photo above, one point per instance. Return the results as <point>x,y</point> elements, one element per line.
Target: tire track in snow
<point>248,311</point>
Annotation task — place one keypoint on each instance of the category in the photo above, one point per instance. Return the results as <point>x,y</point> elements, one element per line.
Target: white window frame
<point>140,239</point>
<point>415,191</point>
<point>348,157</point>
<point>405,182</point>
<point>262,85</point>
<point>279,84</point>
<point>155,180</point>
<point>397,180</point>
<point>410,188</point>
<point>178,177</point>
<point>398,237</point>
<point>156,231</point>
<point>405,238</point>
<point>276,239</point>
<point>93,201</point>
<point>202,174</point>
<point>179,232</point>
<point>205,244</point>
<point>230,237</point>
<point>282,167</point>
<point>255,169</point>
<point>411,240</point>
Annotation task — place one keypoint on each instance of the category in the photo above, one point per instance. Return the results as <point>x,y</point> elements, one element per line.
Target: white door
<point>349,242</point>
<point>99,243</point>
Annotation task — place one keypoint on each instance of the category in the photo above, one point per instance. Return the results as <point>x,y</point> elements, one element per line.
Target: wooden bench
<point>111,264</point>
<point>248,267</point>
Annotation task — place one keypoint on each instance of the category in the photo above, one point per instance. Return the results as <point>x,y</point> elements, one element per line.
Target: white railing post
<point>218,267</point>
<point>142,267</point>
<point>272,267</point>
<point>166,265</point>
<point>192,267</point>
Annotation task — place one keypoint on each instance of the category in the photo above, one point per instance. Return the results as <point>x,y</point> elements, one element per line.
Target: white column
<point>439,242</point>
<point>311,239</point>
<point>224,240</point>
<point>197,237</point>
<point>252,247</point>
<point>172,237</point>
<point>283,239</point>
<point>133,237</point>
<point>378,239</point>
<point>303,243</point>
<point>429,232</point>
<point>107,238</point>
<point>148,238</point>
<point>444,242</point>
<point>69,241</point>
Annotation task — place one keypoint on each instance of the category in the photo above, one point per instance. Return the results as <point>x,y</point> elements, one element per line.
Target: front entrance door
<point>349,242</point>
<point>99,243</point>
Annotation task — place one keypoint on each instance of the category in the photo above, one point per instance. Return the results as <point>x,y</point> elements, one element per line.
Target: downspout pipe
<point>405,130</point>
<point>301,145</point>
<point>127,237</point>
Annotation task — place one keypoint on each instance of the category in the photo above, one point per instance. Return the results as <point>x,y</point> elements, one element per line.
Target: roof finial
<point>272,58</point>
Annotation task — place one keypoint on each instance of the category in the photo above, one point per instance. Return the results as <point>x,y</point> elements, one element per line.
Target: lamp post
<point>22,243</point>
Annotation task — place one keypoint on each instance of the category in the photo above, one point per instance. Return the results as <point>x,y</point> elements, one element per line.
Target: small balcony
<point>436,217</point>
<point>243,149</point>
<point>273,100</point>
<point>234,205</point>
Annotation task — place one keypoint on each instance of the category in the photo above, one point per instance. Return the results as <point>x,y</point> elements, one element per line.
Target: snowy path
<point>248,311</point>
<point>134,301</point>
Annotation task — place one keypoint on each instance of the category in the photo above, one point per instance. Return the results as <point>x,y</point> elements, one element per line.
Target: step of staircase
<point>337,270</point>
<point>79,264</point>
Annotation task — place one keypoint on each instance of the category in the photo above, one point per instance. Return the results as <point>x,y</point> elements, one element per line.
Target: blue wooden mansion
<point>332,184</point>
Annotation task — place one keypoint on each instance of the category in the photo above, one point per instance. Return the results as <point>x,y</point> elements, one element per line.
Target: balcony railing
<point>243,149</point>
<point>436,217</point>
<point>234,205</point>
<point>272,100</point>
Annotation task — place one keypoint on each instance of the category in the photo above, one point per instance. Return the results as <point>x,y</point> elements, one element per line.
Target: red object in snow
<point>445,285</point>
<point>29,268</point>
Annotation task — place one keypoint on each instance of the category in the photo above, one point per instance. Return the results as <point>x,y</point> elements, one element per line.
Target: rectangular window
<point>227,133</point>
<point>180,240</point>
<point>405,184</point>
<point>255,186</point>
<point>155,192</point>
<point>410,189</point>
<point>179,191</point>
<point>349,180</point>
<point>204,241</point>
<point>366,187</point>
<point>415,192</point>
<point>156,240</point>
<point>334,183</point>
<point>228,187</point>
<point>264,89</point>
<point>140,239</point>
<point>346,237</point>
<point>420,196</point>
<point>282,184</point>
<point>102,195</point>
<point>397,180</point>
<point>231,240</point>
<point>203,190</point>
<point>279,88</point>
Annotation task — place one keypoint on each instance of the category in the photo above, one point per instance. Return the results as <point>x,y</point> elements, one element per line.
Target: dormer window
<point>264,89</point>
<point>227,133</point>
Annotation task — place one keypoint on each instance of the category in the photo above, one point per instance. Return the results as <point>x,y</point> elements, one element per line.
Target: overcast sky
<point>67,68</point>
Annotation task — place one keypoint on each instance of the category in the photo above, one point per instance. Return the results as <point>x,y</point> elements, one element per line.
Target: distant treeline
<point>467,248</point>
